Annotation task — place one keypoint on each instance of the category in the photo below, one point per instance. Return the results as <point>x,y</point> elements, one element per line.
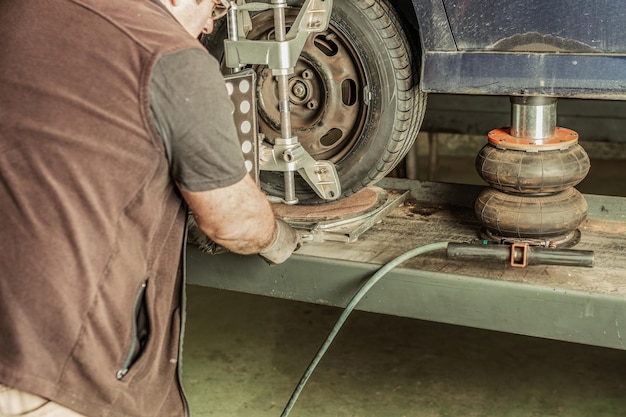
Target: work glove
<point>287,241</point>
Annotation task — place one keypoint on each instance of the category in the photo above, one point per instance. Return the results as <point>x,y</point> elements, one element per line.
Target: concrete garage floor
<point>244,355</point>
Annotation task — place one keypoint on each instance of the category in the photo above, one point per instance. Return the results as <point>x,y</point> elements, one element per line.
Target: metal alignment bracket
<point>241,87</point>
<point>320,175</point>
<point>281,55</point>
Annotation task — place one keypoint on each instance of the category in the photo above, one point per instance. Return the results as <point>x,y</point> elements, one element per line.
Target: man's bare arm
<point>237,217</point>
<point>240,218</point>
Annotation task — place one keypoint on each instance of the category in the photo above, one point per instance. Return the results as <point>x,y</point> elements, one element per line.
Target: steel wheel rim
<point>326,92</point>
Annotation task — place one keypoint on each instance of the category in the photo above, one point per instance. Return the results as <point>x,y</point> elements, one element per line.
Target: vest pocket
<point>140,331</point>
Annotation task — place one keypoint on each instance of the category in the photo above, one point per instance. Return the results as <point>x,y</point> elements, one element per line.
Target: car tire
<point>381,99</point>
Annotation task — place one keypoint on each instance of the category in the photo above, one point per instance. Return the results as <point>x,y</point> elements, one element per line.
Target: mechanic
<point>113,116</point>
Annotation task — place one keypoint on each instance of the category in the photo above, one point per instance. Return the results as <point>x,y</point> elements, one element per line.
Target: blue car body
<point>498,47</point>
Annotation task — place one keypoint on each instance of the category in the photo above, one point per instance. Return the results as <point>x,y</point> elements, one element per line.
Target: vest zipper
<point>183,318</point>
<point>134,340</point>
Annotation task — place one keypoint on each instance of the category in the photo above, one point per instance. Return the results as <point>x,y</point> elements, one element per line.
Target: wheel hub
<point>325,93</point>
<point>299,91</point>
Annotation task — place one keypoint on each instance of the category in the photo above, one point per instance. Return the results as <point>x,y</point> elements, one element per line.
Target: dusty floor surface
<point>244,356</point>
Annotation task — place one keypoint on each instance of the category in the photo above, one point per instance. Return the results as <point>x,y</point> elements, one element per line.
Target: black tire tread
<point>410,111</point>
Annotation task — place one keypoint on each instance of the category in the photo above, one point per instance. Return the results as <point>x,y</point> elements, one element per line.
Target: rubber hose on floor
<point>367,285</point>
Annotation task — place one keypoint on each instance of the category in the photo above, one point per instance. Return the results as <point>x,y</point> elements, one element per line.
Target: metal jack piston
<point>280,55</point>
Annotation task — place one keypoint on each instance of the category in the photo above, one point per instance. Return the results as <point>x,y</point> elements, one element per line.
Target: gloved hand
<point>287,241</point>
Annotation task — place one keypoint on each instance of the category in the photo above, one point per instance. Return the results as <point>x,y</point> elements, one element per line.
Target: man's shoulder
<point>147,23</point>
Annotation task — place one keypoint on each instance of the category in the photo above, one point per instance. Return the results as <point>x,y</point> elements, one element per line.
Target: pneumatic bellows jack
<point>532,168</point>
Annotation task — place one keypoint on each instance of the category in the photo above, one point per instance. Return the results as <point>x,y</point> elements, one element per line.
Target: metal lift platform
<point>573,304</point>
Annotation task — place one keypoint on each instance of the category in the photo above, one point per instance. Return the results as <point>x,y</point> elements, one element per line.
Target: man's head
<point>196,16</point>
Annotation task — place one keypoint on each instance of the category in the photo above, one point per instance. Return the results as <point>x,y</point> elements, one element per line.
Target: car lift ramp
<point>574,304</point>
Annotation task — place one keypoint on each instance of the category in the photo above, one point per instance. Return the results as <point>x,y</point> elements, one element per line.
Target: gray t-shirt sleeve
<point>193,114</point>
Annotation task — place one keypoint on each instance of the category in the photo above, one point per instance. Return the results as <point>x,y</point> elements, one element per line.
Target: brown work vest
<point>91,225</point>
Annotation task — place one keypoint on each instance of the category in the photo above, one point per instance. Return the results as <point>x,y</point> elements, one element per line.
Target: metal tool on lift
<point>280,55</point>
<point>519,255</point>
